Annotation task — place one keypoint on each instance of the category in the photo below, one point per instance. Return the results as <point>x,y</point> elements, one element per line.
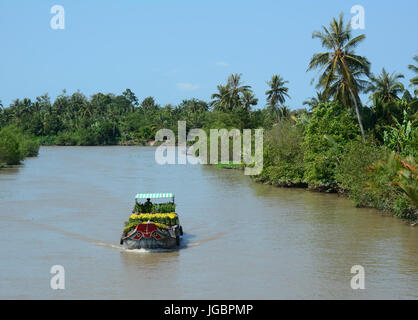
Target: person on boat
<point>148,205</point>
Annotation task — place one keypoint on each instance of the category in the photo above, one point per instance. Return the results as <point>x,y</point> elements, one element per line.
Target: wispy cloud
<point>222,64</point>
<point>187,86</point>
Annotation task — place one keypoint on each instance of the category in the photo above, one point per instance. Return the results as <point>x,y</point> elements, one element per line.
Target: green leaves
<point>386,86</point>
<point>329,130</point>
<point>403,138</point>
<point>10,152</point>
<point>283,163</point>
<point>155,207</point>
<point>16,145</point>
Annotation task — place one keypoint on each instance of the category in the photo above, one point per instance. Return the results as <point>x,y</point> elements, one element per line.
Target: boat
<point>154,224</point>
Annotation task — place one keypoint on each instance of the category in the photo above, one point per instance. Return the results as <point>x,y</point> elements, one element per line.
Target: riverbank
<point>61,141</point>
<point>412,219</point>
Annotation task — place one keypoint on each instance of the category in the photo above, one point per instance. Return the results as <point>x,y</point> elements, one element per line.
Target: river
<point>242,240</point>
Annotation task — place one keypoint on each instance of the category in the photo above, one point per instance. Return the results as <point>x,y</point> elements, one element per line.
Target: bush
<point>353,170</point>
<point>47,140</point>
<point>372,177</point>
<point>29,147</point>
<point>403,137</point>
<point>10,151</point>
<point>329,130</point>
<point>86,137</point>
<point>28,144</point>
<point>66,139</point>
<point>283,156</point>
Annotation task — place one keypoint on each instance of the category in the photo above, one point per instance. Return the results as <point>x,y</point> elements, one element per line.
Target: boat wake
<point>186,242</point>
<point>63,232</point>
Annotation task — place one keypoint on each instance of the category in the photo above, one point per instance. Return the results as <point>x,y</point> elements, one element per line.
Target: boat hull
<point>149,236</point>
<point>150,243</point>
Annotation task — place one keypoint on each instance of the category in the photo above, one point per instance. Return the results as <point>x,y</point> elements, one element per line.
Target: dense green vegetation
<point>341,145</point>
<point>15,145</point>
<point>338,144</point>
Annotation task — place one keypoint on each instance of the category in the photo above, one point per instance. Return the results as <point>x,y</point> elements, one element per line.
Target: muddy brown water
<point>242,240</point>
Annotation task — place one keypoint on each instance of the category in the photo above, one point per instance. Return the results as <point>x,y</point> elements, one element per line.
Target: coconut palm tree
<point>285,112</point>
<point>342,70</point>
<point>248,99</point>
<point>414,81</point>
<point>228,97</point>
<point>313,102</point>
<point>386,86</point>
<point>277,93</point>
<point>236,89</point>
<point>221,100</point>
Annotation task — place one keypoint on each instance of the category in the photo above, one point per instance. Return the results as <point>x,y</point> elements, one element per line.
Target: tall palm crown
<point>386,86</point>
<point>414,81</point>
<point>313,102</point>
<point>221,99</point>
<point>228,97</point>
<point>248,99</point>
<point>277,93</point>
<point>342,70</point>
<point>235,86</point>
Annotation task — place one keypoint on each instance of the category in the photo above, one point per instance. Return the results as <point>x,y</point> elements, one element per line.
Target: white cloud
<point>187,86</point>
<point>222,64</point>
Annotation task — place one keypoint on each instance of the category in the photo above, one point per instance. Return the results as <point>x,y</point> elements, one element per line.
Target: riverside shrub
<point>370,175</point>
<point>353,170</point>
<point>329,130</point>
<point>283,155</point>
<point>15,145</point>
<point>10,151</point>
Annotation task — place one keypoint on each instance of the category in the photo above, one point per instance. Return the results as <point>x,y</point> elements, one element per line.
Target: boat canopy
<point>154,195</point>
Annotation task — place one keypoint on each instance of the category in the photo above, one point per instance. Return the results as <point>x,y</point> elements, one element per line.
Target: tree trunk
<point>278,114</point>
<point>358,114</point>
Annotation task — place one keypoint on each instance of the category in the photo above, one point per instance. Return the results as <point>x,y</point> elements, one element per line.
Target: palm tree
<point>285,112</point>
<point>248,99</point>
<point>386,86</point>
<point>342,70</point>
<point>222,99</point>
<point>277,93</point>
<point>235,86</point>
<point>228,97</point>
<point>315,101</point>
<point>414,81</point>
<point>236,89</point>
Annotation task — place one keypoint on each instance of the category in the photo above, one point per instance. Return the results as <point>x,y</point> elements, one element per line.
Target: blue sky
<point>174,50</point>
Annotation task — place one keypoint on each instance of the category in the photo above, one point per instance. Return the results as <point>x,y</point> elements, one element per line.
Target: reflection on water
<point>242,240</point>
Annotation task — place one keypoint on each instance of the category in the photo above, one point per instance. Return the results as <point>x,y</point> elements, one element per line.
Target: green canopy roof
<point>154,195</point>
